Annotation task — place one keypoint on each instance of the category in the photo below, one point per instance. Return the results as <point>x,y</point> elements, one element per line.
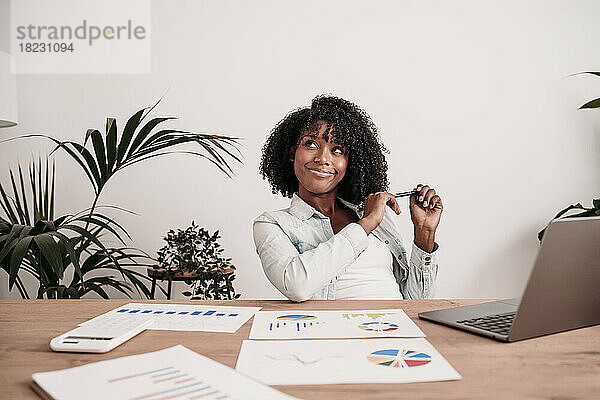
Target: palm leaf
<point>145,131</point>
<point>136,144</point>
<point>128,132</point>
<point>7,207</point>
<point>111,143</point>
<point>51,252</point>
<point>24,196</point>
<point>20,248</point>
<point>99,150</point>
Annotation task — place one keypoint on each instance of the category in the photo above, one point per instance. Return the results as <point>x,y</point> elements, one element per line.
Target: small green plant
<point>594,210</point>
<point>593,103</point>
<point>194,252</point>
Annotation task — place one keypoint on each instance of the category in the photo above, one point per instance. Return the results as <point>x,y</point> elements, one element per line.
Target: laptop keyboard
<point>499,323</point>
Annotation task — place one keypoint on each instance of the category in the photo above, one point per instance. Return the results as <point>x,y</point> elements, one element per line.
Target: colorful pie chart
<point>378,326</point>
<point>399,358</point>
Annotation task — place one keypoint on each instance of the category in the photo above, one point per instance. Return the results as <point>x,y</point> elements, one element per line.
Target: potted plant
<point>594,210</point>
<point>34,241</point>
<point>195,254</point>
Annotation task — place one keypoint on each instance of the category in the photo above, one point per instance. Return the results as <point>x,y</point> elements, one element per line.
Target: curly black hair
<point>353,129</point>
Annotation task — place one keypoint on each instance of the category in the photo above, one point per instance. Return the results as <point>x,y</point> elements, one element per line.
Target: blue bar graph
<point>208,313</point>
<point>297,325</point>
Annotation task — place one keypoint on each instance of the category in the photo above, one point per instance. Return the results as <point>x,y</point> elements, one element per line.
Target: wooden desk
<point>561,366</point>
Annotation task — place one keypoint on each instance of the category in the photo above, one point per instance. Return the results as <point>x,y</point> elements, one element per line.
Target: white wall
<point>471,97</point>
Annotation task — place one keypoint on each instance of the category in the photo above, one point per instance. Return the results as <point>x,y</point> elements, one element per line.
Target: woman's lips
<point>321,173</point>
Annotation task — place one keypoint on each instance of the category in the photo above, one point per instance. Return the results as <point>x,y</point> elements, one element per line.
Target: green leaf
<point>18,253</point>
<point>7,207</point>
<point>577,206</point>
<point>90,162</point>
<point>104,225</point>
<point>587,72</point>
<point>100,152</point>
<point>51,213</point>
<point>17,200</point>
<point>57,222</point>
<point>591,104</point>
<point>87,234</point>
<point>26,208</point>
<point>144,132</point>
<point>70,249</point>
<point>93,287</point>
<point>51,252</point>
<point>128,133</point>
<point>45,190</point>
<point>111,143</point>
<point>89,171</point>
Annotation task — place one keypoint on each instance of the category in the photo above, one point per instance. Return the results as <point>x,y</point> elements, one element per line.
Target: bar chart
<point>173,373</point>
<point>184,317</point>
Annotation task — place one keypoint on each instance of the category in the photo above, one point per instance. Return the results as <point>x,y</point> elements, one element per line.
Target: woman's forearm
<point>425,240</point>
<point>299,275</point>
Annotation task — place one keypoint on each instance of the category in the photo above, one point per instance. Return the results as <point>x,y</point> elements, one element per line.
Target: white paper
<point>333,324</point>
<point>183,317</point>
<point>307,362</point>
<point>176,372</point>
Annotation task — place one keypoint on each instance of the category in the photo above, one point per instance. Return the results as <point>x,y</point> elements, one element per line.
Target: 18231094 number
<point>43,47</point>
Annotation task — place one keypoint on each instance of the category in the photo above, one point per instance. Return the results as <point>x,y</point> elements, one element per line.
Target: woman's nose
<point>322,157</point>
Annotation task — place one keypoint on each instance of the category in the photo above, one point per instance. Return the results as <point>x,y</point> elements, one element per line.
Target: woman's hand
<point>375,204</point>
<point>425,211</point>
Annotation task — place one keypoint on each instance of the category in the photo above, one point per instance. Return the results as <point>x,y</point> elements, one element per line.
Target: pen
<point>404,194</point>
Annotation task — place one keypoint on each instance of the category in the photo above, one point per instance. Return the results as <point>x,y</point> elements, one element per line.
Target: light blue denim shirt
<point>303,258</point>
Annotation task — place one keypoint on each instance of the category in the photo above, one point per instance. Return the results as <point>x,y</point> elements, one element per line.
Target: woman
<point>338,239</point>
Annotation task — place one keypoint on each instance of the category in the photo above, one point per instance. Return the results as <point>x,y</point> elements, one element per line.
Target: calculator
<point>99,335</point>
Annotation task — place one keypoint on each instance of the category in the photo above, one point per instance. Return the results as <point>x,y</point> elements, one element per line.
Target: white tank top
<point>370,276</point>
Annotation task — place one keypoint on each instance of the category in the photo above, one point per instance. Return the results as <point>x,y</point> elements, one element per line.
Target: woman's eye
<point>310,143</point>
<point>338,150</point>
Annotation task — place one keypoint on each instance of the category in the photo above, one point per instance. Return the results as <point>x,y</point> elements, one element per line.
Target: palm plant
<point>42,246</point>
<point>31,240</point>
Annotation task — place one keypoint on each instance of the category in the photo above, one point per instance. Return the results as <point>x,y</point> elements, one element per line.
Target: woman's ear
<point>293,154</point>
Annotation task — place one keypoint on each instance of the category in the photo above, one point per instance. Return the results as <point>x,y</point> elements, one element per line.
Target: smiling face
<point>319,165</point>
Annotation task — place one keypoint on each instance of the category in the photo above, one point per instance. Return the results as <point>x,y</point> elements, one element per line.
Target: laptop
<point>563,291</point>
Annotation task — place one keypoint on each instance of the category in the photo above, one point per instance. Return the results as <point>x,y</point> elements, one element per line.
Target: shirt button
<point>427,258</point>
<point>427,263</point>
<point>387,241</point>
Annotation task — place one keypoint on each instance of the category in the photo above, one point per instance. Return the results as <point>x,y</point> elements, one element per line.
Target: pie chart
<point>399,358</point>
<point>296,317</point>
<point>378,326</point>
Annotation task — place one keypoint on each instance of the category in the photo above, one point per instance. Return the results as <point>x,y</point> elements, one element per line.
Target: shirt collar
<point>302,210</point>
